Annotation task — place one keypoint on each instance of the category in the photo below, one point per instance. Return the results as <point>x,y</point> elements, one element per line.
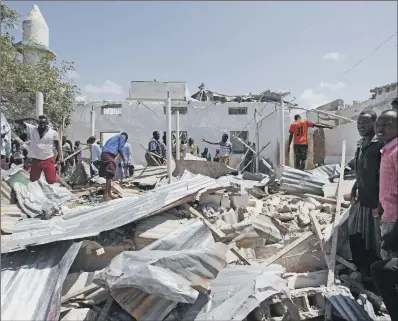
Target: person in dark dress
<point>364,221</point>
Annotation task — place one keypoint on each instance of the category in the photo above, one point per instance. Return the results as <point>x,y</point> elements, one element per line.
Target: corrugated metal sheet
<point>172,275</point>
<point>154,228</point>
<point>142,306</point>
<point>345,304</point>
<point>6,196</point>
<point>91,222</point>
<point>297,181</point>
<point>236,292</point>
<point>31,282</point>
<point>325,171</point>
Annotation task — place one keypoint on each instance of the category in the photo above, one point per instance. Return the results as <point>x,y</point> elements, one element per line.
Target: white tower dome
<point>35,28</point>
<point>36,37</point>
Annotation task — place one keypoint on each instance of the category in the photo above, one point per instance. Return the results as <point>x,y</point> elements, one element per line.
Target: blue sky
<point>233,47</point>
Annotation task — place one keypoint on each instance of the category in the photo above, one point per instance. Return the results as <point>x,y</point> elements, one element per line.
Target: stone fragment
<point>327,208</point>
<point>293,207</point>
<point>239,199</point>
<point>274,201</point>
<point>312,200</point>
<point>304,210</point>
<point>285,217</point>
<point>304,219</point>
<point>225,201</point>
<point>310,206</point>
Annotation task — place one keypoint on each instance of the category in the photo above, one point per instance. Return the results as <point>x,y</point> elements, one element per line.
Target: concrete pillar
<point>39,104</point>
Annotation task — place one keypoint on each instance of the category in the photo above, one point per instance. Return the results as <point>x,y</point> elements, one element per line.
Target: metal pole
<point>282,135</point>
<point>177,133</point>
<point>39,104</point>
<point>92,121</point>
<point>257,170</point>
<point>168,136</point>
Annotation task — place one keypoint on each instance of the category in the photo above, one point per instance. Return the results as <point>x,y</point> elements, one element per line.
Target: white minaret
<point>36,37</point>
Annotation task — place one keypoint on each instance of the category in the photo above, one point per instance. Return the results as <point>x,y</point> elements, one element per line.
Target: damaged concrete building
<point>208,117</point>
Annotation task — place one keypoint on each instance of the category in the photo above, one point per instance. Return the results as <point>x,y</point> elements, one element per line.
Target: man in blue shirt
<point>113,147</point>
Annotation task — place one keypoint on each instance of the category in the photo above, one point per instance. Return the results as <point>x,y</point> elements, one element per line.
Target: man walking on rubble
<point>154,155</point>
<point>299,130</point>
<point>113,147</point>
<point>225,149</point>
<point>363,221</point>
<point>387,131</point>
<point>43,142</point>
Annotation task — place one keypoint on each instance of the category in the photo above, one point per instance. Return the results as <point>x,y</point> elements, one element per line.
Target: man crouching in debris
<point>43,141</point>
<point>113,147</point>
<point>363,221</point>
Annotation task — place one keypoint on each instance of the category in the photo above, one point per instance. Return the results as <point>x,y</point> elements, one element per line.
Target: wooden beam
<point>288,248</point>
<point>104,313</point>
<point>336,223</point>
<point>217,232</point>
<point>89,288</point>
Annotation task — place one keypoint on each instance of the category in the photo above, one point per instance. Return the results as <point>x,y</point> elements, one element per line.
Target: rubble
<point>199,248</point>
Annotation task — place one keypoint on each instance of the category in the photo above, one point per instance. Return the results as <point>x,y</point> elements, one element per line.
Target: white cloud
<point>73,74</point>
<point>335,56</point>
<point>310,99</point>
<point>330,86</point>
<point>108,87</point>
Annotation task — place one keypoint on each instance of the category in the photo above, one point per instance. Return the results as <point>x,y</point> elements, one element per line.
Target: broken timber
<point>288,248</point>
<point>217,232</point>
<point>332,261</point>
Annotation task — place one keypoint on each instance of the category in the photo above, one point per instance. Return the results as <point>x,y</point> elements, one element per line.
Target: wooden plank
<point>219,234</point>
<point>320,199</point>
<point>318,232</point>
<point>104,313</point>
<point>89,288</point>
<point>288,248</point>
<point>343,261</point>
<point>336,223</point>
<point>63,182</point>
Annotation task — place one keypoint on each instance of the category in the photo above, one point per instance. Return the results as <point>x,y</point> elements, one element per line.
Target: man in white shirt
<point>128,167</point>
<point>95,152</point>
<point>225,149</point>
<point>43,141</point>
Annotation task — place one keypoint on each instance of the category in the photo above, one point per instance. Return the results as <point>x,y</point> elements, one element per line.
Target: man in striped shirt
<point>225,149</point>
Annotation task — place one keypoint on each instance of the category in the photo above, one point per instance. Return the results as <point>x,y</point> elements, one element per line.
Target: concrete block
<point>312,200</point>
<point>285,217</point>
<point>274,201</point>
<point>282,208</point>
<point>225,201</point>
<point>210,199</point>
<point>230,217</point>
<point>304,219</point>
<point>327,208</point>
<point>240,200</point>
<point>306,280</point>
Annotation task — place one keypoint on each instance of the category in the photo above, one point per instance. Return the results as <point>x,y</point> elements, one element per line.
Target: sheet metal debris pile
<point>217,247</point>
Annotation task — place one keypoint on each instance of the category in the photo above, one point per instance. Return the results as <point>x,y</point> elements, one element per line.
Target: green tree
<point>19,82</point>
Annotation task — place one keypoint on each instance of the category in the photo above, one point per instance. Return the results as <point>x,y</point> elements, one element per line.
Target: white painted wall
<point>203,120</point>
<point>348,131</point>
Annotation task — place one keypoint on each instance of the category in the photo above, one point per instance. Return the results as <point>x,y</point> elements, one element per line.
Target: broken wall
<point>202,120</point>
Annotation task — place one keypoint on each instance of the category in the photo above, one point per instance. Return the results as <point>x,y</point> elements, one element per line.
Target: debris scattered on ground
<point>239,246</point>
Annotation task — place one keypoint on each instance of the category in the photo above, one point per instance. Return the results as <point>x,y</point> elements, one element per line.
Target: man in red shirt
<point>299,130</point>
